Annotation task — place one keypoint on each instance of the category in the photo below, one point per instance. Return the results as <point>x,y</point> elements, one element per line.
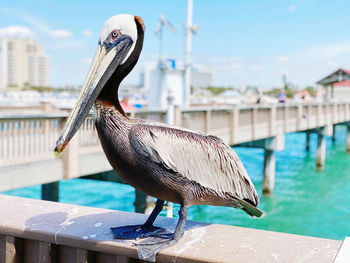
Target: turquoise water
<point>305,201</point>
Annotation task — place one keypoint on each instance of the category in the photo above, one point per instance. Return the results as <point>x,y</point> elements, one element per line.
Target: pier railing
<point>30,139</point>
<point>54,232</point>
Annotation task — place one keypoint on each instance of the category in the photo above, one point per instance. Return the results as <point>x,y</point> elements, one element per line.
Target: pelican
<point>166,162</point>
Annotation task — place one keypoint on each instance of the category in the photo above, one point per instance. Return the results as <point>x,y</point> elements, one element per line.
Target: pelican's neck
<point>109,96</point>
<point>107,112</point>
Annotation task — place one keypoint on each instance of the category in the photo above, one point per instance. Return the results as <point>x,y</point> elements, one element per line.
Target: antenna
<point>163,21</point>
<point>189,30</point>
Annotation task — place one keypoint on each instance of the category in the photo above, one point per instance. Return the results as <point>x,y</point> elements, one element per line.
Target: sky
<point>244,42</point>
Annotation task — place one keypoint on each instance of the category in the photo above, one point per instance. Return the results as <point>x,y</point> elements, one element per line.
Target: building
<point>22,62</point>
<point>166,79</point>
<point>337,84</point>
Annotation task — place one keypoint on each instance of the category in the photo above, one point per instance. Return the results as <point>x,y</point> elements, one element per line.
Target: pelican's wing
<point>201,158</point>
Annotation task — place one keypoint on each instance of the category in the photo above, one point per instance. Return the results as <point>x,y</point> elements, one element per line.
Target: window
<point>9,46</point>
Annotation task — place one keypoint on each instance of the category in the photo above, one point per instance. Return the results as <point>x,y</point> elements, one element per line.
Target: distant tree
<point>272,92</point>
<point>37,88</point>
<point>218,90</point>
<point>70,89</point>
<point>12,86</point>
<point>311,90</point>
<point>289,91</point>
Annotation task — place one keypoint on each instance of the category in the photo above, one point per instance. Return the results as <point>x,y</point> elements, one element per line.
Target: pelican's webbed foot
<point>140,231</point>
<point>136,231</point>
<point>148,248</point>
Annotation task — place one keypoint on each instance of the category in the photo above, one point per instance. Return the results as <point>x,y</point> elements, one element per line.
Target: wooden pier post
<point>140,201</point>
<point>143,203</point>
<point>321,149</point>
<point>307,141</point>
<point>348,138</point>
<point>333,133</point>
<point>269,172</point>
<point>50,191</point>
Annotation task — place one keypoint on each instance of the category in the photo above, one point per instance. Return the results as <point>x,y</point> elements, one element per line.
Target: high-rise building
<point>22,62</point>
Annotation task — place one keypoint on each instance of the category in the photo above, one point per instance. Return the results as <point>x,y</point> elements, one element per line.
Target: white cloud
<point>282,59</point>
<point>66,44</point>
<point>226,63</point>
<point>303,67</point>
<point>16,31</point>
<point>292,8</point>
<point>332,63</point>
<point>235,66</point>
<point>256,68</point>
<point>36,24</point>
<point>225,59</point>
<point>60,33</point>
<point>86,60</point>
<point>87,32</point>
<point>327,51</point>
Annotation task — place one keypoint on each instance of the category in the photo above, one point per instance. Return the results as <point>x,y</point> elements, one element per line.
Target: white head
<point>119,47</point>
<point>121,24</point>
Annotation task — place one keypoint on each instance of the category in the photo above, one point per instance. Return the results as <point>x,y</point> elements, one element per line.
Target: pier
<point>27,141</point>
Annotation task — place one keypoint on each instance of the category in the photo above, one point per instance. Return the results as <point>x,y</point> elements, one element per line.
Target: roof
<point>339,75</point>
<point>342,83</point>
<point>346,71</point>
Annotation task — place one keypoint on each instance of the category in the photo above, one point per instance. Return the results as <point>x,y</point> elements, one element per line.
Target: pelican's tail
<point>249,208</point>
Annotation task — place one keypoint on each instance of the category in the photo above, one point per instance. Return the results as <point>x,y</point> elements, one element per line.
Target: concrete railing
<point>42,231</point>
<point>236,125</point>
<point>30,138</point>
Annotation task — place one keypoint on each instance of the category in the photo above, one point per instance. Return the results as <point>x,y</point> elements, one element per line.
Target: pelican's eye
<point>112,39</point>
<point>115,34</point>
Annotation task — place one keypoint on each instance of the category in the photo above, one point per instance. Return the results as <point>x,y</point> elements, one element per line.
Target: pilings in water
<point>50,191</point>
<point>269,172</point>
<point>321,132</point>
<point>143,203</point>
<point>307,141</point>
<point>270,145</point>
<point>348,138</point>
<point>321,149</point>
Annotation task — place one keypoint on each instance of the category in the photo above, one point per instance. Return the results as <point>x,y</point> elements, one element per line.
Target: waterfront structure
<point>22,63</point>
<point>28,148</point>
<point>337,84</point>
<point>165,79</point>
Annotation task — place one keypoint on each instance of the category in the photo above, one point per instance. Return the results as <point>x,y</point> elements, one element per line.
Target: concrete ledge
<point>344,252</point>
<point>86,228</point>
<point>50,170</point>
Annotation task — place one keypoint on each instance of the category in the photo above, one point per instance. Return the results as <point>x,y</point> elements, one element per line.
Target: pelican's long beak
<point>105,63</point>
